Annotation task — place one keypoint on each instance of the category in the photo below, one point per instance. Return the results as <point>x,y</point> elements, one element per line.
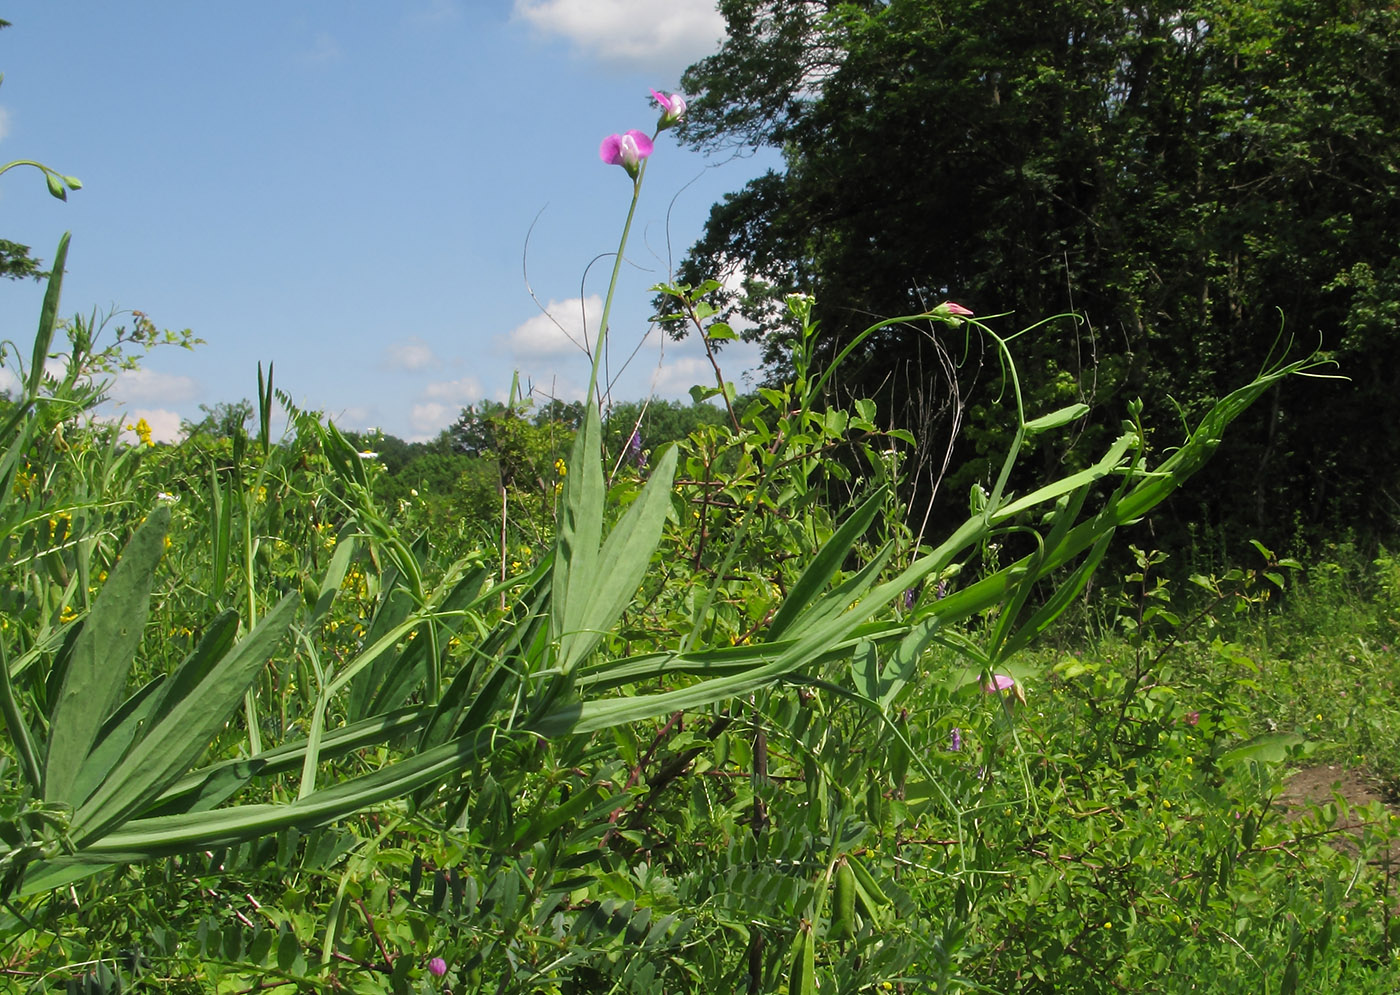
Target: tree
<point>225,420</point>
<point>17,264</point>
<point>1186,179</point>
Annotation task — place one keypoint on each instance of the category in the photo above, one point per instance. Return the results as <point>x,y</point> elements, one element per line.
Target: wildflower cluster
<point>142,428</point>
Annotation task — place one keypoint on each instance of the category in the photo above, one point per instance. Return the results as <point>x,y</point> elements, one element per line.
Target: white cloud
<point>431,417</point>
<point>411,354</point>
<point>462,392</point>
<point>560,332</point>
<point>355,417</point>
<point>674,379</point>
<point>137,386</point>
<point>639,33</point>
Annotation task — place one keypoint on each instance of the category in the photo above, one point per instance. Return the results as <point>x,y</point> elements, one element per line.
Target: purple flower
<point>634,450</point>
<point>955,739</point>
<point>626,150</point>
<point>437,966</point>
<point>1192,718</point>
<point>672,109</point>
<point>911,594</point>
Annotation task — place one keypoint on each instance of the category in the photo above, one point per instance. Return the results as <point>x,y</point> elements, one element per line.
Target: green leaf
<point>1271,748</point>
<point>823,566</point>
<point>1056,419</point>
<point>201,697</point>
<point>48,317</point>
<point>601,585</point>
<point>102,656</point>
<point>720,330</point>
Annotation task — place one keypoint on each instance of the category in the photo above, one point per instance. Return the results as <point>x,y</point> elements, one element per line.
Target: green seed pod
<point>843,903</point>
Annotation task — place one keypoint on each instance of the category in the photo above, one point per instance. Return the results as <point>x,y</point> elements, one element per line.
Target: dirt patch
<point>1321,785</point>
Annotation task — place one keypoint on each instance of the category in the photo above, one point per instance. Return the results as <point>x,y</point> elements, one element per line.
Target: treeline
<point>456,481</point>
<point>1207,186</point>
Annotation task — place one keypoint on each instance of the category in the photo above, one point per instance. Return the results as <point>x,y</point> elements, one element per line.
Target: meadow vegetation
<point>683,699</point>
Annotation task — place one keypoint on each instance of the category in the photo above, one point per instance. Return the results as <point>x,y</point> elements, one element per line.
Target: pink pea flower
<point>437,966</point>
<point>950,310</point>
<point>1005,683</point>
<point>672,109</point>
<point>626,150</point>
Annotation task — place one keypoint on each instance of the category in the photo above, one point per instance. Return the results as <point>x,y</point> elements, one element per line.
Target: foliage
<point>1185,179</point>
<point>732,726</point>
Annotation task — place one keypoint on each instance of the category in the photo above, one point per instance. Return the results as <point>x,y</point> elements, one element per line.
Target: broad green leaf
<point>185,727</point>
<point>1271,748</point>
<point>580,531</point>
<point>596,602</point>
<point>102,656</point>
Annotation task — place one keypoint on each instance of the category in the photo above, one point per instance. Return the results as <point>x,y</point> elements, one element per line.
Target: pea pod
<point>843,908</point>
<point>873,900</point>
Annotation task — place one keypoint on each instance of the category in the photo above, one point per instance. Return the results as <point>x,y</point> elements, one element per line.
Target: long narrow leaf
<point>184,730</point>
<point>824,565</point>
<point>102,656</point>
<point>619,567</point>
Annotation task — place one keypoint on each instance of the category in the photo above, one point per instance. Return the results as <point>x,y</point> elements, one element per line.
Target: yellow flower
<point>560,468</point>
<point>142,428</point>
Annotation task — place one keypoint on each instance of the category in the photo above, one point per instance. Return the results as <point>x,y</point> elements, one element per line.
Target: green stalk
<point>612,282</point>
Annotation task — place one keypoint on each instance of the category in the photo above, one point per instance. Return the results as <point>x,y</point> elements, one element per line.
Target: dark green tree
<point>224,420</point>
<point>1188,180</point>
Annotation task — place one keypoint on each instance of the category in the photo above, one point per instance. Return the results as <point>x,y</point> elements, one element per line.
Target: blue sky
<point>345,189</point>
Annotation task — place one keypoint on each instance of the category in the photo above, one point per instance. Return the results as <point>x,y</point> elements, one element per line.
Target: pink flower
<point>999,682</point>
<point>1005,683</point>
<point>672,109</point>
<point>627,150</point>
<point>437,966</point>
<point>951,310</point>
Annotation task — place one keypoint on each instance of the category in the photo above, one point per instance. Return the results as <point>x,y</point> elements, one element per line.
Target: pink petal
<point>643,140</point>
<point>956,310</point>
<point>611,150</point>
<point>999,682</point>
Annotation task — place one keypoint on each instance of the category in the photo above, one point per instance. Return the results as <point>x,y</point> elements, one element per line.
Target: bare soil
<point>1322,784</point>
